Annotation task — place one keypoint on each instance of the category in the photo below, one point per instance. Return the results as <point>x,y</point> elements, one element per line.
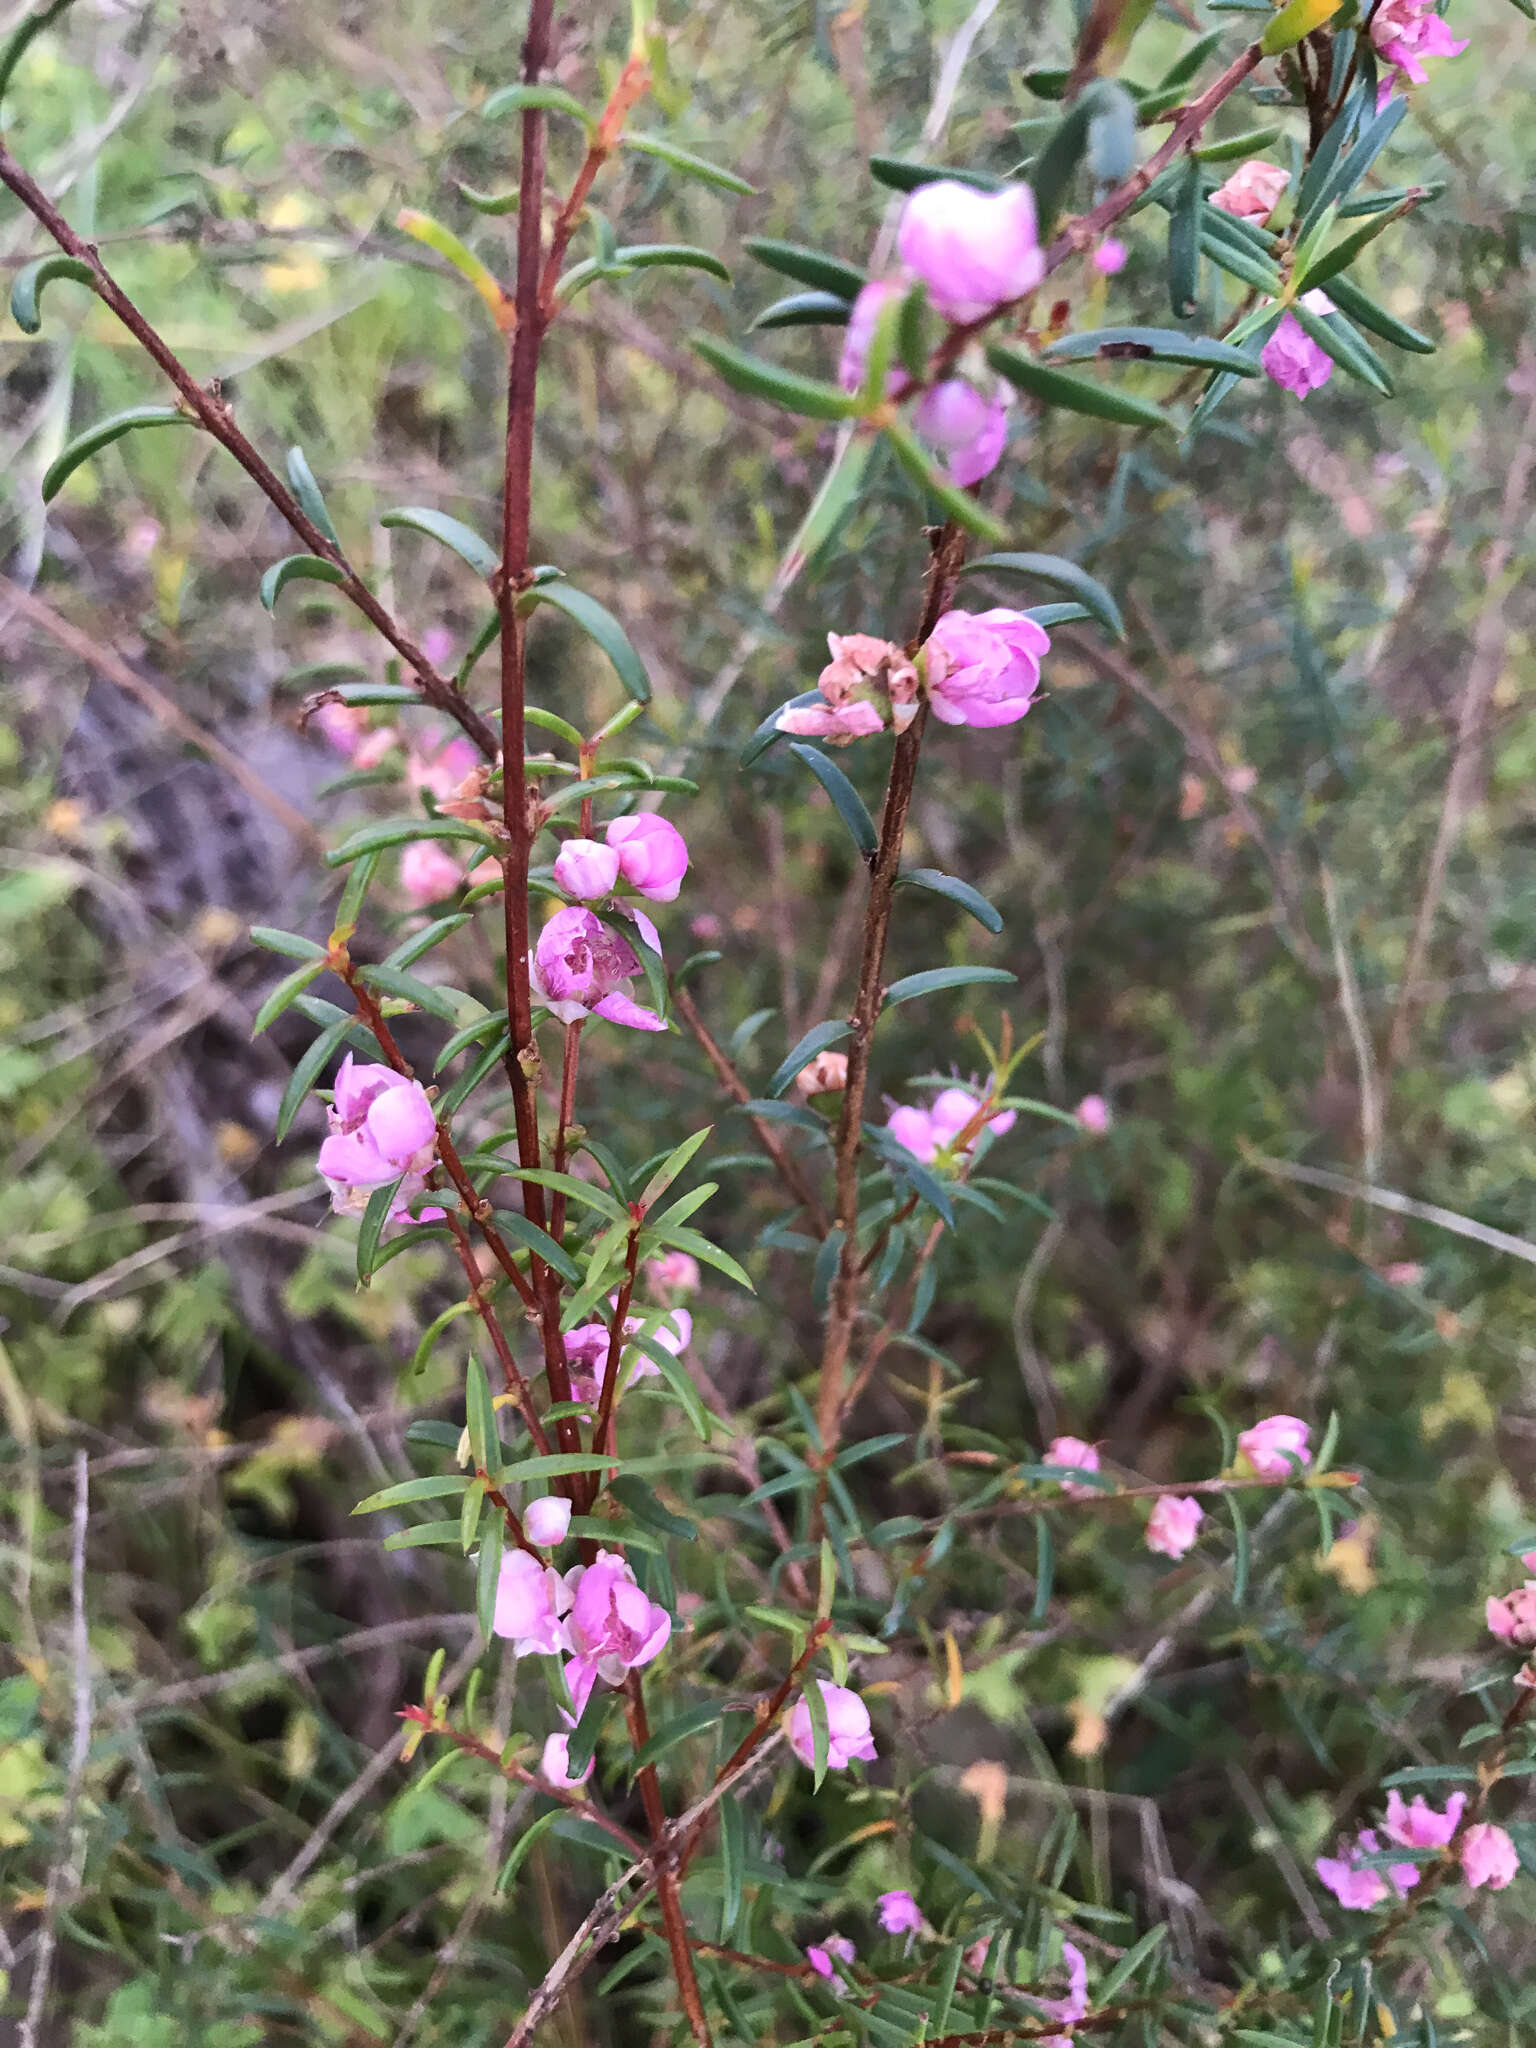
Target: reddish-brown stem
<point>571,1057</point>
<point>603,1429</point>
<point>212,412</point>
<point>948,554</point>
<point>788,1166</point>
<point>512,1378</point>
<point>472,1746</point>
<point>665,1865</point>
<point>633,82</point>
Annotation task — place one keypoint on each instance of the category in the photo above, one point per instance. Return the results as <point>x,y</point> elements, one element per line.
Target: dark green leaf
<point>816,1040</point>
<point>282,996</point>
<point>1156,344</point>
<point>434,1535</point>
<point>687,163</point>
<point>933,979</point>
<point>549,99</point>
<point>673,1732</point>
<point>807,266</point>
<point>556,1464</point>
<point>1075,394</point>
<point>102,435</point>
<point>1249,143</point>
<point>1334,176</point>
<point>410,950</point>
<point>529,1235</point>
<point>1242,1551</point>
<point>480,1415</point>
<point>584,1735</point>
<point>902,174</point>
<point>389,832</point>
<point>1045,1571</point>
<point>755,378</point>
<point>489,202</point>
<point>733,1856</point>
<point>525,1845</point>
<point>16,48</point>
<point>602,628</point>
<point>1258,272</point>
<point>1061,575</point>
<point>27,291</point>
<point>302,568</point>
<point>643,1504</point>
<point>821,1735</point>
<point>1350,351</point>
<point>453,533</point>
<point>1348,247</point>
<point>312,1063</point>
<point>371,1229</point>
<point>937,883</point>
<point>488,1572</point>
<point>1052,171</point>
<point>1182,69</point>
<point>438,1486</point>
<point>1349,298</point>
<point>803,309</point>
<point>292,944</point>
<point>670,256</point>
<point>846,799</point>
<point>955,503</point>
<point>307,491</point>
<point>437,1002</point>
<point>1184,244</point>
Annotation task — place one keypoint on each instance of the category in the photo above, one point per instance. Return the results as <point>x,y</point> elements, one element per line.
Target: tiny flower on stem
<point>1071,1450</point>
<point>1513,1619</point>
<point>824,1956</point>
<point>1417,1825</point>
<point>613,1627</point>
<point>1275,1446</point>
<point>1488,1857</point>
<point>587,869</point>
<point>899,1912</point>
<point>427,874</point>
<point>969,430</point>
<point>1071,2008</point>
<point>546,1520</point>
<point>849,1737</point>
<point>1358,1889</point>
<point>555,1764</point>
<point>927,1132</point>
<point>653,855</point>
<point>827,1074</point>
<point>577,970</point>
<point>382,1127</point>
<point>1110,257</point>
<point>1406,31</point>
<point>974,250</point>
<point>531,1602</point>
<point>1253,190</point>
<point>1093,1114</point>
<point>1174,1524</point>
<point>1291,358</point>
<point>983,668</point>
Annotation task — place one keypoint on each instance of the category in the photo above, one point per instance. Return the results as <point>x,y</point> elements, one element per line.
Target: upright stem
<point>666,1870</point>
<point>944,568</point>
<point>570,1058</point>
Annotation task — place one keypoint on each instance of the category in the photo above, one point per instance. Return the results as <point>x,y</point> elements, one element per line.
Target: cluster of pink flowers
<point>645,852</point>
<point>926,1133</point>
<point>1513,1618</point>
<point>1485,1852</point>
<point>849,1737</point>
<point>1080,1457</point>
<point>579,967</point>
<point>976,668</point>
<point>1404,32</point>
<point>382,1129</point>
<point>869,685</point>
<point>587,1348</point>
<point>595,1614</point>
<point>824,1957</point>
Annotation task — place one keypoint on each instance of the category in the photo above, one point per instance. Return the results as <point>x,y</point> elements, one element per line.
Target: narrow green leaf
<point>733,1857</point>
<point>1258,272</point>
<point>671,1167</point>
<point>388,832</point>
<point>297,568</point>
<point>601,627</point>
<point>1128,1965</point>
<point>292,944</point>
<point>816,1707</point>
<point>1150,344</point>
<point>27,291</point>
<point>803,309</point>
<point>548,99</point>
<point>1295,20</point>
<point>1334,175</point>
<point>673,1732</point>
<point>936,883</point>
<point>1348,247</point>
<point>102,435</point>
<point>689,165</point>
<point>833,502</point>
<point>1045,1571</point>
<point>556,1464</point>
<point>955,503</point>
<point>845,798</point>
<point>807,266</point>
<point>1349,350</point>
<point>695,1241</point>
<point>933,979</point>
<point>565,1184</point>
<point>1074,394</point>
<point>675,1373</point>
<point>427,1342</point>
<point>16,48</point>
<point>489,202</point>
<point>816,1040</point>
<point>584,1735</point>
<point>1052,171</point>
<point>453,533</point>
<point>312,1063</point>
<point>438,1486</point>
<point>493,1540</point>
<point>755,378</point>
<point>1249,143</point>
<point>904,174</point>
<point>670,256</point>
<point>511,1224</point>
<point>427,1535</point>
<point>437,1002</point>
<point>1061,574</point>
<point>1242,1551</point>
<point>307,491</point>
<point>371,1229</point>
<point>282,996</point>
<point>1349,299</point>
<point>480,1416</point>
<point>525,1845</point>
<point>1183,68</point>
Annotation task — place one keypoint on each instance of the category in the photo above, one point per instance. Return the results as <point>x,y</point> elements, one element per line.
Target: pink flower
<point>531,1599</point>
<point>848,1729</point>
<point>1071,1450</point>
<point>382,1127</point>
<point>970,431</point>
<point>1075,2004</point>
<point>827,1074</point>
<point>1417,1825</point>
<point>1110,257</point>
<point>1253,190</point>
<point>589,1344</point>
<point>546,1520</point>
<point>673,1273</point>
<point>1174,1524</point>
<point>1272,1445</point>
<point>586,868</point>
<point>373,746</point>
<point>1488,1857</point>
<point>653,855</point>
<point>1405,31</point>
<point>838,724</point>
<point>442,772</point>
<point>613,1627</point>
<point>343,725</point>
<point>1513,1619</point>
<point>427,874</point>
<point>1403,1273</point>
<point>437,645</point>
<point>1359,1889</point>
<point>927,1132</point>
<point>973,250</point>
<point>824,1957</point>
<point>899,1913</point>
<point>983,668</point>
<point>860,332</point>
<point>555,1764</point>
<point>1093,1114</point>
<point>976,1954</point>
<point>1293,359</point>
<point>576,970</point>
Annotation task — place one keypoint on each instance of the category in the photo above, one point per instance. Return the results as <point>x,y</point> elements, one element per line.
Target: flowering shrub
<point>708,1650</point>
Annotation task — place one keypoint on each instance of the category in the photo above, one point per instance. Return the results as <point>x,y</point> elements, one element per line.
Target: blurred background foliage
<point>1210,843</point>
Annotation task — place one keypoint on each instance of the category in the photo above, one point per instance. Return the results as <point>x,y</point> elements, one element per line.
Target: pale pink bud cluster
<point>444,772</point>
<point>1486,1853</point>
<point>1174,1525</point>
<point>983,668</point>
<point>382,1128</point>
<point>1276,1446</point>
<point>1407,31</point>
<point>849,1736</point>
<point>927,1133</point>
<point>1291,358</point>
<point>1253,190</point>
<point>1357,1887</point>
<point>646,852</point>
<point>1513,1619</point>
<point>427,873</point>
<point>1082,1457</point>
<point>867,686</point>
<point>579,968</point>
